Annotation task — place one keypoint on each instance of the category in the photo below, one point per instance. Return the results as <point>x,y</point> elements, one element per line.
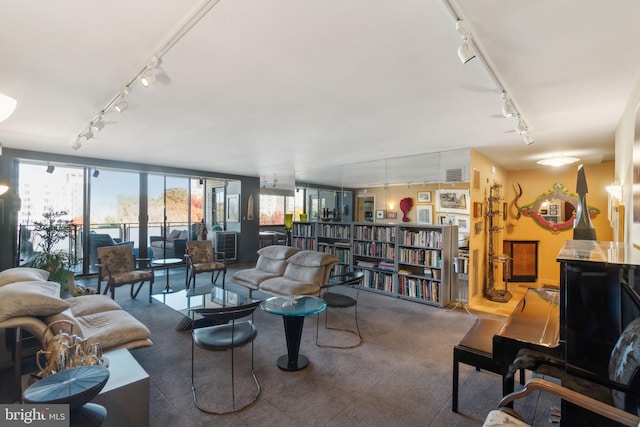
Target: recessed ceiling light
<point>558,161</point>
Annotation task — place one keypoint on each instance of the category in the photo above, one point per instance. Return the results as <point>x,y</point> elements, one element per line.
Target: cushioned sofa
<point>29,302</point>
<point>283,270</point>
<point>172,247</point>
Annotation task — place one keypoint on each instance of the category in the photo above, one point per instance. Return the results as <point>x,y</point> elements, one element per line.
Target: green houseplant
<point>52,230</point>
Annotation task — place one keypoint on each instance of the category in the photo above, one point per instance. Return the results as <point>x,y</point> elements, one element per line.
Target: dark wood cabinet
<point>523,260</point>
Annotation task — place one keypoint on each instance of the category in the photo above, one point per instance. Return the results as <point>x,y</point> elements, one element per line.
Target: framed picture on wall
<point>380,214</point>
<point>462,221</point>
<point>452,200</point>
<point>392,215</point>
<point>233,208</point>
<point>424,196</point>
<point>424,214</point>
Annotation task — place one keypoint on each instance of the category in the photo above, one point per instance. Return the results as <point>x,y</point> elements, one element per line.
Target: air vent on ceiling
<point>454,175</point>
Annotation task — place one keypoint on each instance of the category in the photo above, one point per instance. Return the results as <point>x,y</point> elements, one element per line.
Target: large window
<point>273,207</point>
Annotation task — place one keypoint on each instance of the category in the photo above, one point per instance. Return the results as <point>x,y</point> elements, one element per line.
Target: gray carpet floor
<point>399,376</point>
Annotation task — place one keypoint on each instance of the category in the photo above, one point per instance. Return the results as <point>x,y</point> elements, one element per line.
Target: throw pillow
<point>31,299</point>
<point>22,274</point>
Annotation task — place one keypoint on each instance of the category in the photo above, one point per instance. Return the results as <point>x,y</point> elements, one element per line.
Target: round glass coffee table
<point>167,263</point>
<point>293,309</point>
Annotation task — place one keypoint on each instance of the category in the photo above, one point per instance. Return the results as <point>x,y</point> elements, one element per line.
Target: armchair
<point>119,267</point>
<point>98,240</point>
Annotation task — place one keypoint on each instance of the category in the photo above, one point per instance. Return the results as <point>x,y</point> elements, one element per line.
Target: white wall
<point>624,162</point>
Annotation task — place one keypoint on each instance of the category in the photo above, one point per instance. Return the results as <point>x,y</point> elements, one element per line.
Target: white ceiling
<point>269,87</point>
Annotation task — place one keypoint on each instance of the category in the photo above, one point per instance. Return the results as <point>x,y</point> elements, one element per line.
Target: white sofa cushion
<point>39,298</point>
<point>22,274</point>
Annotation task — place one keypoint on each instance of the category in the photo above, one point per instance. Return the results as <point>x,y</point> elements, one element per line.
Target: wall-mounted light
<point>4,187</point>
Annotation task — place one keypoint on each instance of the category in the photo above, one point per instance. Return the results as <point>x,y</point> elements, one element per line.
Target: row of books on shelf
<point>430,238</point>
<point>420,257</point>
<point>428,272</point>
<point>334,231</point>
<point>380,233</point>
<point>343,253</point>
<point>302,229</point>
<point>419,288</point>
<point>303,243</point>
<point>375,249</point>
<point>378,280</point>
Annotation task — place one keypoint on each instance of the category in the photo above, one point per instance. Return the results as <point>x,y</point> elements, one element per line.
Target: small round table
<point>166,263</point>
<point>293,309</point>
<point>75,387</point>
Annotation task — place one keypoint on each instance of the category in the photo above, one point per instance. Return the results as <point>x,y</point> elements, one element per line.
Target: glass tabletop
<point>295,305</point>
<point>166,261</point>
<point>207,296</point>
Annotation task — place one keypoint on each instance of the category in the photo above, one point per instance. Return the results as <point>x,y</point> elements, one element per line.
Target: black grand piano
<point>598,298</point>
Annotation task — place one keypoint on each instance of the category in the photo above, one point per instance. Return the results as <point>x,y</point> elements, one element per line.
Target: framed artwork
<point>424,196</point>
<point>476,180</point>
<point>392,215</point>
<point>477,209</point>
<point>424,214</point>
<point>454,201</point>
<point>462,221</point>
<point>443,220</point>
<point>233,208</point>
<point>380,214</point>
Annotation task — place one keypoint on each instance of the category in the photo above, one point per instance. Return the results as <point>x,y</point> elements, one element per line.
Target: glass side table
<point>293,309</point>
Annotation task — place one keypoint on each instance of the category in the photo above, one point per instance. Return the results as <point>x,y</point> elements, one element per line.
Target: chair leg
<point>135,294</point>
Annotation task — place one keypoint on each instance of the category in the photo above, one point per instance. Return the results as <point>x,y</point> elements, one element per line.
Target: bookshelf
<point>335,239</point>
<point>412,262</point>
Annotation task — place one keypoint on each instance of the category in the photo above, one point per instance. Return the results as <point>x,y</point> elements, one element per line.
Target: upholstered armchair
<point>201,258</point>
<point>119,267</point>
<point>98,240</point>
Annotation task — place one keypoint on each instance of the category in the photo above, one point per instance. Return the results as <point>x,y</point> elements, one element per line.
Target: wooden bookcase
<point>407,261</point>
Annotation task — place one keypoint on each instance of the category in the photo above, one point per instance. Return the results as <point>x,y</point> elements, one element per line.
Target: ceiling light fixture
<point>98,124</point>
<point>469,50</point>
<point>3,188</point>
<point>507,107</point>
<point>76,145</point>
<point>87,134</point>
<point>465,51</point>
<point>152,72</point>
<point>96,173</point>
<point>557,161</point>
<point>50,168</point>
<point>7,107</point>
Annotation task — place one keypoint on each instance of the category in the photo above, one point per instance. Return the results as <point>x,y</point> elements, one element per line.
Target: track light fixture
<point>528,139</point>
<point>87,134</point>
<point>50,168</point>
<point>508,110</point>
<point>147,76</point>
<point>96,173</point>
<point>121,106</point>
<point>465,50</point>
<point>98,124</point>
<point>521,126</point>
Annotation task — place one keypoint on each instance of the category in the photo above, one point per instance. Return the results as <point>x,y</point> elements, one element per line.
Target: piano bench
<point>476,349</point>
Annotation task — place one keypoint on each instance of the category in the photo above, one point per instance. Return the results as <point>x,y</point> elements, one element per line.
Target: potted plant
<point>52,230</point>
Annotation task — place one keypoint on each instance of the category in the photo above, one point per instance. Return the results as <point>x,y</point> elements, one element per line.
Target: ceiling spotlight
<point>50,168</point>
<point>465,51</point>
<point>98,124</point>
<point>76,144</point>
<point>521,126</point>
<point>508,110</point>
<point>121,106</point>
<point>7,107</point>
<point>558,161</point>
<point>87,134</point>
<point>528,139</point>
<point>149,77</point>
<point>96,173</point>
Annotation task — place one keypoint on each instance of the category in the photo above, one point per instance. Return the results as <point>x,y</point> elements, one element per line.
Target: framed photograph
<point>424,214</point>
<point>424,196</point>
<point>392,215</point>
<point>463,223</point>
<point>476,180</point>
<point>443,220</point>
<point>233,208</point>
<point>454,201</point>
<point>477,209</point>
<point>380,214</point>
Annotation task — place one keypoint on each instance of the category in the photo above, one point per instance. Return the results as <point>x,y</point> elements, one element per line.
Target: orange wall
<point>534,182</point>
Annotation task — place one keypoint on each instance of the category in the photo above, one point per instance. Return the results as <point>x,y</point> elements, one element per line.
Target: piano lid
<point>599,252</point>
